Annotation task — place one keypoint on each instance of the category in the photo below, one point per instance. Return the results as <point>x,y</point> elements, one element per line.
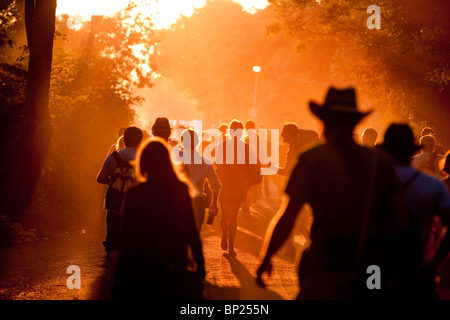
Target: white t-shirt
<point>198,173</point>
<point>127,154</point>
<point>421,162</point>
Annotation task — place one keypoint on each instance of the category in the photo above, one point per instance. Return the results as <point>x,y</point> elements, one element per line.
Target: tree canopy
<point>94,72</point>
<point>403,66</point>
<point>118,70</point>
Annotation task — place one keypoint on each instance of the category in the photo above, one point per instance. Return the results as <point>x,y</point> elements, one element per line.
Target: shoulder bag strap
<point>410,180</point>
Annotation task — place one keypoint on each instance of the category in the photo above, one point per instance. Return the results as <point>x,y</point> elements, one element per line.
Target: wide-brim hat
<point>338,103</point>
<point>399,141</point>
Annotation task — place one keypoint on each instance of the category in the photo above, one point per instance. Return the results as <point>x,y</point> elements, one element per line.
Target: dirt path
<point>37,271</point>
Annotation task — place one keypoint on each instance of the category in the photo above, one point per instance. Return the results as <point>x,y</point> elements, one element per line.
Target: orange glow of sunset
<point>163,12</point>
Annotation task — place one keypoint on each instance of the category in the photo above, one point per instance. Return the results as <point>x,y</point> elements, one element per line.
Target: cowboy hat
<point>338,102</point>
<point>399,141</point>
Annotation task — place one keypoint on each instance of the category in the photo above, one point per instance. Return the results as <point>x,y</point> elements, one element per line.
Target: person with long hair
<point>159,227</point>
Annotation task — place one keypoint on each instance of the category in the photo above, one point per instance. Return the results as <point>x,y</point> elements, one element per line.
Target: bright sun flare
<point>163,12</point>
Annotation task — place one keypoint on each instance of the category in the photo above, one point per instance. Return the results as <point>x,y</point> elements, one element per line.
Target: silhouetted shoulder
<point>318,149</point>
<point>181,186</point>
<point>324,152</point>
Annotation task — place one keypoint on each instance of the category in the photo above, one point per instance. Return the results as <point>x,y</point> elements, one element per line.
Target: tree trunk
<point>35,136</point>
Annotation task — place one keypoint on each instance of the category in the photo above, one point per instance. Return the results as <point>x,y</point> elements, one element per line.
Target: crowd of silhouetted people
<point>361,204</point>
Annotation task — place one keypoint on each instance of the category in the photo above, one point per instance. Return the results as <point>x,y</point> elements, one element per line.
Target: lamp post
<point>256,70</point>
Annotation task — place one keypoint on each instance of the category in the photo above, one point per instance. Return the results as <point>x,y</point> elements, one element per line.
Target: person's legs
<point>233,213</point>
<point>250,199</point>
<point>198,205</point>
<point>224,222</point>
<point>112,241</point>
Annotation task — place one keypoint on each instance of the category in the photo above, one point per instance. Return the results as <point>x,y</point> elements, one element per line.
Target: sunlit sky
<point>164,12</point>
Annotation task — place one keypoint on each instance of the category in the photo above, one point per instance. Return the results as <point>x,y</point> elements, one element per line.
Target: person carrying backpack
<point>118,173</point>
<point>427,199</point>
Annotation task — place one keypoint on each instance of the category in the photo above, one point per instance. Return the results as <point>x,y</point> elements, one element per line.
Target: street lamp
<point>256,70</point>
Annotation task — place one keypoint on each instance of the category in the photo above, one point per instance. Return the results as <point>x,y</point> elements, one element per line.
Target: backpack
<point>408,250</point>
<point>397,254</point>
<point>123,178</point>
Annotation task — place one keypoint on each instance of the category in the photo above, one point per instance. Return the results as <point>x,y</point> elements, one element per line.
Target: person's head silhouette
<point>339,114</point>
<point>369,137</point>
<point>236,129</point>
<point>290,132</point>
<point>428,143</point>
<point>426,131</point>
<point>161,128</point>
<point>189,139</point>
<point>250,124</point>
<point>132,137</point>
<point>153,160</point>
<point>399,143</point>
<point>223,128</point>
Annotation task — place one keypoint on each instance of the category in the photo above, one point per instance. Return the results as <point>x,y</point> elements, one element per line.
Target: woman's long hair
<point>153,161</point>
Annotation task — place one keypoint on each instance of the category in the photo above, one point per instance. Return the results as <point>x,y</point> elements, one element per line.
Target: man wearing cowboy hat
<point>341,181</point>
<point>427,197</point>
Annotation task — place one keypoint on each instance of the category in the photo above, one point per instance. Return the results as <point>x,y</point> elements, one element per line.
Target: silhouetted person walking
<point>199,171</point>
<point>158,228</point>
<point>252,138</point>
<point>426,197</point>
<point>237,174</point>
<point>427,131</point>
<point>119,178</point>
<point>354,194</point>
<point>290,135</point>
<point>427,161</point>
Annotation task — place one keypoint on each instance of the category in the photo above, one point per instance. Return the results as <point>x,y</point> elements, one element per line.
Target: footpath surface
<point>38,270</point>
